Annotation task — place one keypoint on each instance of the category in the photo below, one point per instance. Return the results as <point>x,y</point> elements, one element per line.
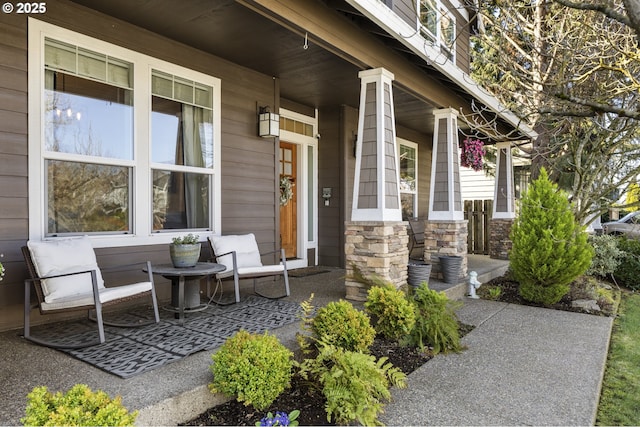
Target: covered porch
<point>177,391</point>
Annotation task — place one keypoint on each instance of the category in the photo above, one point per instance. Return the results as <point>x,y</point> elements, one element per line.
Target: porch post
<point>376,239</point>
<point>504,211</point>
<point>445,229</point>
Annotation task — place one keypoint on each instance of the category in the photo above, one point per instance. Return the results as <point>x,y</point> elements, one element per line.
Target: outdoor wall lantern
<point>268,123</point>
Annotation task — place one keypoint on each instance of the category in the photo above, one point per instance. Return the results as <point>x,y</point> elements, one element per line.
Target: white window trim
<point>451,50</point>
<point>303,142</point>
<point>141,200</point>
<point>436,39</point>
<point>413,145</point>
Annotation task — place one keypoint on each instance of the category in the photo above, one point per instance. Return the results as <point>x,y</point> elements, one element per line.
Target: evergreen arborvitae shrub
<point>550,249</point>
<point>256,368</point>
<point>394,314</point>
<point>341,324</point>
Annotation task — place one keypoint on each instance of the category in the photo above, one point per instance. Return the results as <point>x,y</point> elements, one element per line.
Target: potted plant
<point>185,251</point>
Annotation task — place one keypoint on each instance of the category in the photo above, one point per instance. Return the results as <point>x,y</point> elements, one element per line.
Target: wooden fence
<point>478,213</point>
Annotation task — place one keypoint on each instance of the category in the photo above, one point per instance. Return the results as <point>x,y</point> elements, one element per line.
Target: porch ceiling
<point>314,76</point>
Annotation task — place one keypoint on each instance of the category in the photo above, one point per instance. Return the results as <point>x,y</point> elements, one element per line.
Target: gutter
<point>388,20</point>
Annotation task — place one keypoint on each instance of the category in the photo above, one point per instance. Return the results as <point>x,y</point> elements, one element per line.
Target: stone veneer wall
<point>499,242</point>
<point>375,247</point>
<point>445,238</point>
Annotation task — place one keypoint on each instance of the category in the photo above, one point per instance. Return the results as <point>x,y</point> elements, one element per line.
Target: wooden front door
<point>289,203</point>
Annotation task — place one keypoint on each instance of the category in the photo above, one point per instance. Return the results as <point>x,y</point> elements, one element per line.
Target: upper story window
<point>438,25</point>
<point>123,147</point>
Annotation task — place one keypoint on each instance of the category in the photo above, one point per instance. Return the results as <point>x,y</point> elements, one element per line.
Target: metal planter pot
<point>418,272</point>
<point>450,267</point>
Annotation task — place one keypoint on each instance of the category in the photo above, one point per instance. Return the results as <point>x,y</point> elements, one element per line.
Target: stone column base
<point>375,247</point>
<point>445,238</point>
<point>499,242</point>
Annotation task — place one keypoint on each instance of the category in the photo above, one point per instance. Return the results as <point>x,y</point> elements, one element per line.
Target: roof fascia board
<point>380,14</point>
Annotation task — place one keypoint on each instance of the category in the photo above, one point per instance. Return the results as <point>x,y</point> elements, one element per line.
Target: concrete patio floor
<point>175,392</point>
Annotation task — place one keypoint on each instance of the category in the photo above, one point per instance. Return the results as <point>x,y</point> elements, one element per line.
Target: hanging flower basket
<point>472,153</point>
<point>286,190</point>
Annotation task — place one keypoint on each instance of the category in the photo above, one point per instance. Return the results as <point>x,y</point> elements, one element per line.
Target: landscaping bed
<point>310,402</point>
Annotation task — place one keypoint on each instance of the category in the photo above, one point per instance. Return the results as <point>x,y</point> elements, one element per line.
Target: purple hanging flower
<point>472,153</point>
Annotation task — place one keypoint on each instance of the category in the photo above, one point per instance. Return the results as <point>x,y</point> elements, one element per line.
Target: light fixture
<point>268,123</point>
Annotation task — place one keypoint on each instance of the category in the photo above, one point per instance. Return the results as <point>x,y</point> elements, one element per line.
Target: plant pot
<point>450,267</point>
<point>418,272</point>
<point>183,256</point>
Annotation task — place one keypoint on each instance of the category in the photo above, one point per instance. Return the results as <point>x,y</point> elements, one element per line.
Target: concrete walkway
<point>522,366</point>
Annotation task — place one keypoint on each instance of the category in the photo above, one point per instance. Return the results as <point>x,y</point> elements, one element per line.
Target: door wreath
<point>286,190</point>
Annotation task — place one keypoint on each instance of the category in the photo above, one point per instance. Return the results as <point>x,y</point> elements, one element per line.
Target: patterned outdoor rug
<point>132,351</point>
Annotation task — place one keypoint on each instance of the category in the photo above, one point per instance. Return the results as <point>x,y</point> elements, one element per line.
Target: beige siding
<point>475,185</point>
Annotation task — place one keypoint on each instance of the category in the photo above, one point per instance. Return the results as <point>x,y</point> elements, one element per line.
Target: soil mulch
<point>311,403</point>
<point>304,397</point>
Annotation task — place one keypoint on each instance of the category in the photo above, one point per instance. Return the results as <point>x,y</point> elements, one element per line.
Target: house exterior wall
<point>476,185</point>
<point>425,150</point>
<point>248,161</point>
<point>331,153</point>
<point>407,11</point>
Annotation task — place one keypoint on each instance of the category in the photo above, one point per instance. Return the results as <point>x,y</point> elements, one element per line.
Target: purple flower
<point>472,152</point>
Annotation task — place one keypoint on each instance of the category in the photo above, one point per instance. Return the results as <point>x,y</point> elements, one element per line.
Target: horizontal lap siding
<point>248,161</point>
<point>13,163</point>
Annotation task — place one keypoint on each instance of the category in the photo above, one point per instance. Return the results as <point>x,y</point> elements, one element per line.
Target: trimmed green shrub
<point>550,249</point>
<point>79,406</point>
<point>436,321</point>
<point>606,255</point>
<point>627,272</point>
<point>341,324</point>
<point>254,368</point>
<point>354,383</point>
<point>394,314</point>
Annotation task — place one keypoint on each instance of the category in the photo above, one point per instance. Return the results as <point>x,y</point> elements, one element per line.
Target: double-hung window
<point>123,147</point>
<point>438,25</point>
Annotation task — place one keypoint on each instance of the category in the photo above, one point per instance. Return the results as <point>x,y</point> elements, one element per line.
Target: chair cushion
<point>63,256</point>
<point>245,246</point>
<point>248,272</point>
<point>106,295</point>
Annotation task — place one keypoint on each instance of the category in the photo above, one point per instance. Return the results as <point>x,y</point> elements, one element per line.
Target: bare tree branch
<point>602,8</point>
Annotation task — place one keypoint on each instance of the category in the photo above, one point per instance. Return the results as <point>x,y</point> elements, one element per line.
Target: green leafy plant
<point>394,314</point>
<point>254,368</point>
<point>79,406</point>
<point>306,314</point>
<point>606,255</point>
<point>280,419</point>
<point>341,324</point>
<point>436,321</point>
<point>354,384</point>
<point>627,272</point>
<point>495,293</point>
<point>189,239</point>
<point>550,249</point>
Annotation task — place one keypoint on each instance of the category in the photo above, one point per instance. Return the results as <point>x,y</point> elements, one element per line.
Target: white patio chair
<point>242,259</point>
<point>66,277</point>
